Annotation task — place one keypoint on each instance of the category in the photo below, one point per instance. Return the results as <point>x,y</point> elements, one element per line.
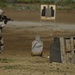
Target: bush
<point>65,2</point>
<point>10,0</point>
<point>2,3</point>
<point>24,1</point>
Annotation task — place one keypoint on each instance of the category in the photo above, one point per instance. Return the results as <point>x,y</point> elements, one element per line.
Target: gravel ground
<point>53,26</point>
<point>16,58</point>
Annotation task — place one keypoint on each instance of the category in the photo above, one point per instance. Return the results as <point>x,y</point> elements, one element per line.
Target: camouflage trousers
<point>1,42</point>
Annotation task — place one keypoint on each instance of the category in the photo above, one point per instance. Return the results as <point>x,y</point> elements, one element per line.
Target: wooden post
<point>62,47</point>
<point>68,50</point>
<point>72,48</point>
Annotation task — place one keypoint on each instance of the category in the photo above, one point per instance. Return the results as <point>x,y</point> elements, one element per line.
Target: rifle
<point>4,19</point>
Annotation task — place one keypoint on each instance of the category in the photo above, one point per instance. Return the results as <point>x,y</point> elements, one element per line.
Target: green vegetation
<point>19,4</point>
<point>5,60</point>
<point>66,5</point>
<point>12,67</point>
<point>65,2</point>
<point>46,1</point>
<point>35,1</point>
<point>2,3</point>
<point>25,1</point>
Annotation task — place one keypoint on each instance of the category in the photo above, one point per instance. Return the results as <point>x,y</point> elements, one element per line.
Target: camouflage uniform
<point>1,38</point>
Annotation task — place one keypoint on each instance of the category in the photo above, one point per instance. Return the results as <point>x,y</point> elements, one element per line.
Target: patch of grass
<point>12,67</point>
<point>28,1</point>
<point>5,60</point>
<point>1,67</point>
<point>2,3</point>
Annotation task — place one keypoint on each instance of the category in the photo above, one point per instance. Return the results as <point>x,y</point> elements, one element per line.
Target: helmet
<point>1,12</point>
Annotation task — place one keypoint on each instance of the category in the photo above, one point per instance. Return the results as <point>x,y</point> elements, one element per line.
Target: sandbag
<point>37,46</point>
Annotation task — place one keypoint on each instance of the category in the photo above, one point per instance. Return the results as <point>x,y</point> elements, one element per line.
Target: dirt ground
<point>16,58</point>
<point>62,16</point>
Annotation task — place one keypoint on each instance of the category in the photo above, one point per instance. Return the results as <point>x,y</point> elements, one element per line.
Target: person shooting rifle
<point>3,19</point>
